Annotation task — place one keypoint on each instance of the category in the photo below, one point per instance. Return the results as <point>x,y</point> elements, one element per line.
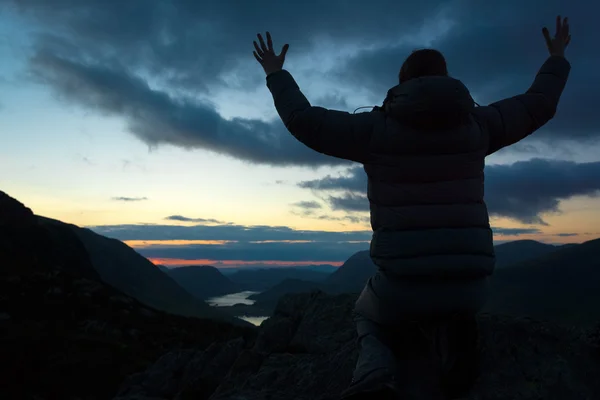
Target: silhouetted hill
<point>520,250</point>
<point>65,334</point>
<point>307,351</point>
<point>354,273</point>
<point>123,268</point>
<point>269,298</point>
<point>262,279</point>
<point>203,281</point>
<point>163,268</point>
<point>561,286</point>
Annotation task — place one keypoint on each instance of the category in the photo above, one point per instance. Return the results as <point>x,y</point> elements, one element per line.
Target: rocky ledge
<point>307,351</point>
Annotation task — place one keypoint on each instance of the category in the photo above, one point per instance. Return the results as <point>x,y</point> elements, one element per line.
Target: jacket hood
<point>431,102</point>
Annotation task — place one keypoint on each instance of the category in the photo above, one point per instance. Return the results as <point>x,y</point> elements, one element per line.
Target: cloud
<point>242,242</point>
<point>224,232</point>
<point>160,65</point>
<point>186,219</point>
<point>278,251</point>
<point>157,118</point>
<point>127,199</point>
<point>249,243</point>
<point>567,234</point>
<point>523,191</point>
<point>309,205</point>
<point>515,231</point>
<point>510,50</point>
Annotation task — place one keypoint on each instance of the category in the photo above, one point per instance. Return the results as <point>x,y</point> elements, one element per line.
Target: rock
<point>307,350</point>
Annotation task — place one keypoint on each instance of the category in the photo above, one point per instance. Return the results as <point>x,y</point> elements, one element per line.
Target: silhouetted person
<point>424,152</point>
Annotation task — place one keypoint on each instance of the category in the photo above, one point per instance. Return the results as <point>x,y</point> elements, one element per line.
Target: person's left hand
<point>266,56</point>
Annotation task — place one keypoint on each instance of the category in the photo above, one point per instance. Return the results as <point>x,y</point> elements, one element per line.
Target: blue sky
<point>118,115</point>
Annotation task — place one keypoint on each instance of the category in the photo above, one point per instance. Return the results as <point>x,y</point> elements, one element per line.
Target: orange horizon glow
<point>237,263</point>
<point>147,243</point>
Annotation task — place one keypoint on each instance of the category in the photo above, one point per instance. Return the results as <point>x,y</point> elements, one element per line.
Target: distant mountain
<point>123,268</point>
<point>59,319</point>
<point>562,285</point>
<point>163,268</point>
<point>203,281</point>
<point>354,273</point>
<point>263,279</point>
<point>521,250</point>
<point>269,298</point>
<point>326,268</point>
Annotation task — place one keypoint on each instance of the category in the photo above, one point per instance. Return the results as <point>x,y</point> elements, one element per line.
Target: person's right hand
<point>562,38</point>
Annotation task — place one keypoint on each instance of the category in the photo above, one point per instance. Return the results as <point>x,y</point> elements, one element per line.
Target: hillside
<point>259,280</point>
<point>269,298</point>
<point>65,334</point>
<point>519,251</point>
<point>123,268</point>
<point>307,351</point>
<point>203,281</point>
<point>354,273</point>
<point>560,286</point>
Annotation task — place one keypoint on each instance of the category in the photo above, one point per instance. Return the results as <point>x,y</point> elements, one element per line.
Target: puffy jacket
<point>424,155</point>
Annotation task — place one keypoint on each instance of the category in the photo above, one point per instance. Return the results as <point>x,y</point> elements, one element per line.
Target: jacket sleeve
<point>335,133</point>
<point>511,120</point>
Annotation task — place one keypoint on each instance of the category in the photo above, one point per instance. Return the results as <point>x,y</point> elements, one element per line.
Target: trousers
<point>434,357</point>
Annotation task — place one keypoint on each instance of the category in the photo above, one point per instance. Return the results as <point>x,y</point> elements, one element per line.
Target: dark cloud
<point>515,231</point>
<point>274,251</point>
<point>349,202</point>
<point>152,62</point>
<point>253,243</point>
<point>527,189</point>
<point>186,219</point>
<point>567,234</point>
<point>157,118</point>
<point>309,205</point>
<point>498,58</point>
<point>224,232</point>
<point>523,191</point>
<point>128,199</point>
<point>308,209</point>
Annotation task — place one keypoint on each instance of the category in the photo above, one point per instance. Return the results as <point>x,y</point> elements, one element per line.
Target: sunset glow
<point>172,262</point>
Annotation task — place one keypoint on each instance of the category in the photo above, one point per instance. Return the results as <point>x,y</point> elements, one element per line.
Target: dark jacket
<point>424,155</point>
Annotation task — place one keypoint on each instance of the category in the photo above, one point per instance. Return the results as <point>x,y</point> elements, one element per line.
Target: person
<point>424,153</point>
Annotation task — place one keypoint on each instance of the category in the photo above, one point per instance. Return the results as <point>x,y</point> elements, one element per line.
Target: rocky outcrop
<point>307,351</point>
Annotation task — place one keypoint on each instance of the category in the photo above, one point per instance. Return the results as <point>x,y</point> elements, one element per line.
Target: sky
<point>150,121</point>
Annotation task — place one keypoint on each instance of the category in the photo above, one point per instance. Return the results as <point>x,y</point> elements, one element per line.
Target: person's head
<point>424,62</point>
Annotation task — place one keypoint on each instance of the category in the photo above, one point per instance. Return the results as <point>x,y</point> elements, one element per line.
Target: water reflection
<point>254,320</point>
<point>232,299</point>
<point>237,298</point>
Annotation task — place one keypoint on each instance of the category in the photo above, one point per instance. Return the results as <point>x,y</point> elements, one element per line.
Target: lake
<point>232,299</point>
<point>237,298</point>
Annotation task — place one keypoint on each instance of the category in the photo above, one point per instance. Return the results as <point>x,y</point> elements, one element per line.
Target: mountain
<point>560,286</point>
<point>262,279</point>
<point>123,268</point>
<point>307,351</point>
<point>354,273</point>
<point>163,268</point>
<point>520,250</point>
<point>66,334</point>
<point>203,281</point>
<point>326,268</point>
<point>269,298</point>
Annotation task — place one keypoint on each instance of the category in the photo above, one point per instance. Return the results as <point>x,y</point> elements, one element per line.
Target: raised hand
<point>562,38</point>
<point>266,56</point>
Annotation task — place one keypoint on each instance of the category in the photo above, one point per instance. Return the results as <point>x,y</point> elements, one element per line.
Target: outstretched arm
<point>511,120</point>
<point>335,133</point>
